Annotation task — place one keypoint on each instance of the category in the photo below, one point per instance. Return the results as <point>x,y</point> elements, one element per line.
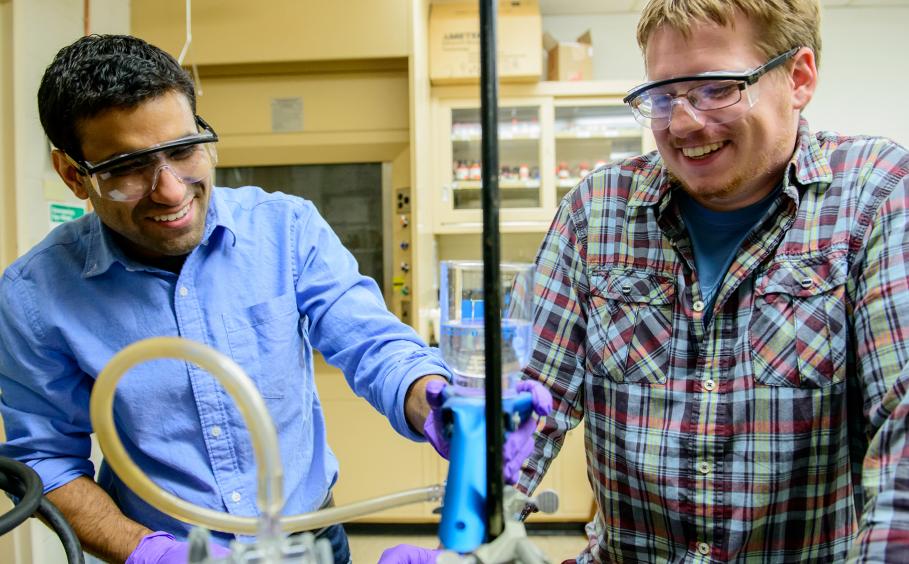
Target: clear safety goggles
<point>132,176</point>
<point>708,98</point>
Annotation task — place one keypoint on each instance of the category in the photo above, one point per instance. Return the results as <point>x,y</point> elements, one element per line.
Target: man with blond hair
<point>729,314</point>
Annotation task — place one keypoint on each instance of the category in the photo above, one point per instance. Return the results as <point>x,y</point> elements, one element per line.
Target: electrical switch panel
<point>402,276</point>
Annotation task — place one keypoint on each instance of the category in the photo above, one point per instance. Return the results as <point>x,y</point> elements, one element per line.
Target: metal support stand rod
<point>495,523</point>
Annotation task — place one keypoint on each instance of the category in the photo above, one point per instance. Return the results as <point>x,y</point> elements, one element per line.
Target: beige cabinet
<point>375,460</point>
<point>239,32</point>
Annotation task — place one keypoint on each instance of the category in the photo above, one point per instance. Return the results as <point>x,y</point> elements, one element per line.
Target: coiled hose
<point>21,481</point>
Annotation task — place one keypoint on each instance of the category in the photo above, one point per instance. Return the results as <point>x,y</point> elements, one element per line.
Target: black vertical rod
<point>489,118</point>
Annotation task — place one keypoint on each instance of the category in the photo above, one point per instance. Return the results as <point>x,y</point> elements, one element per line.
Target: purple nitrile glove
<point>433,428</point>
<point>519,443</point>
<point>540,396</point>
<point>162,548</point>
<point>408,554</point>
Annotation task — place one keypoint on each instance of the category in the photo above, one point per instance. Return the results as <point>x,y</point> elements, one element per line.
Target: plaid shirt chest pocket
<point>798,330</point>
<point>630,326</point>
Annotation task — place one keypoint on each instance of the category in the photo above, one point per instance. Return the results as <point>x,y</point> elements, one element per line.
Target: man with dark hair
<point>729,314</point>
<point>259,277</point>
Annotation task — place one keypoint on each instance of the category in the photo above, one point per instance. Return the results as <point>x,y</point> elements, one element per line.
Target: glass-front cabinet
<point>519,157</point>
<point>589,136</point>
<point>547,144</point>
<point>523,135</point>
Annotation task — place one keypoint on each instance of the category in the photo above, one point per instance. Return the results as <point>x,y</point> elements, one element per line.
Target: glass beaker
<point>462,329</point>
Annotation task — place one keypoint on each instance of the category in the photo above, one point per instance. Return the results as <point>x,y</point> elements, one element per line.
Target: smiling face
<point>730,165</point>
<point>164,226</point>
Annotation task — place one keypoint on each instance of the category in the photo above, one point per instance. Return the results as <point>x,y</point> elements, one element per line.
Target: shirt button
<point>626,288</point>
<point>807,283</point>
<point>704,548</point>
<point>215,431</point>
<point>698,306</point>
<point>704,467</point>
<point>235,497</point>
<point>183,291</point>
<point>709,385</point>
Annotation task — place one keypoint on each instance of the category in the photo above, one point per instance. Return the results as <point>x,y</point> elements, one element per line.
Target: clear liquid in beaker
<point>464,349</point>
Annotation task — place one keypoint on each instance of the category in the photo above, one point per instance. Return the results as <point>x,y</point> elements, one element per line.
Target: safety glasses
<point>712,97</point>
<point>132,176</point>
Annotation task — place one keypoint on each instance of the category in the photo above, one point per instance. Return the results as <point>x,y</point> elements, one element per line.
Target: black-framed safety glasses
<point>712,97</point>
<point>132,176</point>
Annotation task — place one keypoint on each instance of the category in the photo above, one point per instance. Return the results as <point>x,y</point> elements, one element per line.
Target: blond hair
<point>781,24</point>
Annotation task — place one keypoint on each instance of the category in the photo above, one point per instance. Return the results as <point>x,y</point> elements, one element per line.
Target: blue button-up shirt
<point>269,282</point>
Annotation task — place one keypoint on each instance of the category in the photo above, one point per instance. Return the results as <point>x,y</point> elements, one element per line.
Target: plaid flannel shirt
<point>777,431</point>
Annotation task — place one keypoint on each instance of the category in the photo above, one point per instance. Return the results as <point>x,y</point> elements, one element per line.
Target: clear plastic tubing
<point>270,497</point>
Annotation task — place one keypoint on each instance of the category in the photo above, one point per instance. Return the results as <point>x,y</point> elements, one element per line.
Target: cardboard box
<point>454,42</point>
<point>569,60</point>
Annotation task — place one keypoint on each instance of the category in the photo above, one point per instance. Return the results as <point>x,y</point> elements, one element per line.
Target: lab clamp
<point>462,529</point>
<point>462,341</point>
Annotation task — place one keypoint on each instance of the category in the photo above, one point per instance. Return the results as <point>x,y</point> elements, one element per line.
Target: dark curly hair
<point>99,72</point>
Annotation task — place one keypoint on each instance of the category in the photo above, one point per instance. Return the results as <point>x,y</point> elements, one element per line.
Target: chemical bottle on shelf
<point>475,172</point>
<point>583,169</point>
<point>461,171</point>
<point>562,171</point>
<point>524,172</point>
<point>534,129</point>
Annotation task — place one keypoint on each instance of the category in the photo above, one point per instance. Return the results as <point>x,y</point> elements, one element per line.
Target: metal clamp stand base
<point>510,546</point>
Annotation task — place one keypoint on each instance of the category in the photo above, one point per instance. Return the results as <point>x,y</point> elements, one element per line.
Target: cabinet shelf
<point>567,182</point>
<point>503,184</point>
<point>617,134</point>
<point>477,138</point>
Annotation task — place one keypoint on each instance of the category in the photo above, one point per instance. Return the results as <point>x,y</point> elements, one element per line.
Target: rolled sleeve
<point>559,328</point>
<point>882,308</point>
<point>45,397</point>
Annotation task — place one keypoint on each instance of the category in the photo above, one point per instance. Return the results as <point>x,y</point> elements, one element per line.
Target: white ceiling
<point>576,7</point>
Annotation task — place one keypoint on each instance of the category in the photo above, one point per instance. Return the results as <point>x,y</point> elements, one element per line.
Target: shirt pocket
<point>798,331</point>
<point>630,326</point>
<point>266,340</point>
